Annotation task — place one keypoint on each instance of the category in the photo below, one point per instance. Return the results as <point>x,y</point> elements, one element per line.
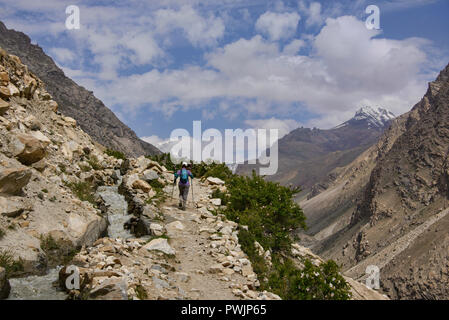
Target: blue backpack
<point>184,176</point>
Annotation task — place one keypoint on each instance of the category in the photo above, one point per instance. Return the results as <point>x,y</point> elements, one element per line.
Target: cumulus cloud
<point>200,31</point>
<point>62,55</point>
<point>270,76</point>
<point>351,67</point>
<point>278,26</point>
<point>283,125</point>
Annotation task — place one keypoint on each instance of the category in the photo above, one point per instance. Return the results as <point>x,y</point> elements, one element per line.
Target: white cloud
<point>278,26</point>
<point>200,31</point>
<point>314,14</point>
<point>283,125</point>
<point>293,47</point>
<point>62,55</point>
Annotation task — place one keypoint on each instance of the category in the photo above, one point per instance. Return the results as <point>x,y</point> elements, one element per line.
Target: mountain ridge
<point>74,100</point>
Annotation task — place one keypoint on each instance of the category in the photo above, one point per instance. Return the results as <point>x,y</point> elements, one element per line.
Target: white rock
<point>160,244</point>
<point>216,201</point>
<point>215,181</point>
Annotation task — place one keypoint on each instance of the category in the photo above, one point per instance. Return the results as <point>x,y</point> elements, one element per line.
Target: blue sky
<point>159,65</point>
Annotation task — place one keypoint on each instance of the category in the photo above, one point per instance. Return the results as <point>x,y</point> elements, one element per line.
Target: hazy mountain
<point>307,156</point>
<point>73,100</point>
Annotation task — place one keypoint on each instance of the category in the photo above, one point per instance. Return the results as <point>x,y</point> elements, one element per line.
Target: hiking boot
<point>180,205</point>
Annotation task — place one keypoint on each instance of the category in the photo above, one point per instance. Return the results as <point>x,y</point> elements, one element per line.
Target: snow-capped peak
<point>373,117</point>
<point>377,116</point>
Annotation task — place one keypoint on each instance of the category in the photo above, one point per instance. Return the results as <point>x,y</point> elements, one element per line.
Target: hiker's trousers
<point>183,193</point>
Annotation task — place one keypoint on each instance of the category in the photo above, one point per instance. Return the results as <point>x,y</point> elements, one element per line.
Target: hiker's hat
<point>184,164</point>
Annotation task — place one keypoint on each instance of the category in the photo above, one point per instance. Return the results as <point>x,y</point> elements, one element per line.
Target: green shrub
<point>85,191</point>
<point>270,214</point>
<point>218,194</point>
<point>48,243</point>
<point>116,154</point>
<point>94,163</point>
<point>2,233</point>
<point>11,265</point>
<point>141,292</point>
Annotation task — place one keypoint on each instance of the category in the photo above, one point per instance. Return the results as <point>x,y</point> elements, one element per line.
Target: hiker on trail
<point>183,185</point>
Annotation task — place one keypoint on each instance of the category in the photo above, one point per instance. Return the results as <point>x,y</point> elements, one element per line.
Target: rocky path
<point>191,254</point>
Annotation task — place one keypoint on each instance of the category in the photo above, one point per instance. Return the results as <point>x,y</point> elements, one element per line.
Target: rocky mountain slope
<point>307,156</point>
<point>63,201</point>
<point>388,207</point>
<point>73,100</point>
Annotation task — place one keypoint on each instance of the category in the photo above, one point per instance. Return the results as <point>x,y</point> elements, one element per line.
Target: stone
<point>5,287</point>
<point>53,105</point>
<point>41,137</point>
<point>110,289</point>
<point>215,181</point>
<point>216,268</point>
<point>182,276</point>
<point>141,185</point>
<point>160,244</point>
<point>29,149</point>
<point>12,180</point>
<point>5,93</point>
<point>247,270</point>
<point>173,228</point>
<point>216,201</point>
<point>13,207</point>
<point>149,175</point>
<point>4,106</point>
<point>69,121</point>
<point>156,229</point>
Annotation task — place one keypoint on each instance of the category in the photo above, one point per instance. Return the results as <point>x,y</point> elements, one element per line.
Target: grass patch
<point>48,243</point>
<point>62,167</point>
<point>116,154</point>
<point>85,191</point>
<point>141,292</point>
<point>11,265</point>
<point>94,163</point>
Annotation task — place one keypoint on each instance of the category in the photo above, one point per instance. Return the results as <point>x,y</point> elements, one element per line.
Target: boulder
<point>12,180</point>
<point>29,149</point>
<point>173,228</point>
<point>215,181</point>
<point>12,207</point>
<point>142,185</point>
<point>69,121</point>
<point>160,244</point>
<point>4,78</point>
<point>4,92</point>
<point>110,289</point>
<point>216,201</point>
<point>5,287</point>
<point>149,175</point>
<point>4,106</point>
<point>156,229</point>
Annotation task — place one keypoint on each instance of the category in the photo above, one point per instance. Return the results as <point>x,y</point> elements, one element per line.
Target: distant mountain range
<point>307,156</point>
<point>73,100</point>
